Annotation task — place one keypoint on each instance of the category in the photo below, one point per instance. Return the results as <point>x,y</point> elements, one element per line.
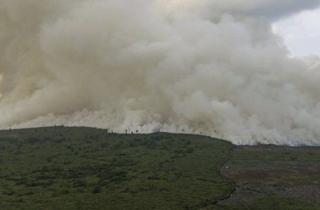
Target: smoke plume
<point>199,66</point>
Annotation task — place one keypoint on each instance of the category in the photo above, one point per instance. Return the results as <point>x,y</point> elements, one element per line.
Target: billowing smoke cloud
<point>203,66</point>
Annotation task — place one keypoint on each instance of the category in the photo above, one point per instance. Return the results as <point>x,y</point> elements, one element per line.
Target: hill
<point>63,168</point>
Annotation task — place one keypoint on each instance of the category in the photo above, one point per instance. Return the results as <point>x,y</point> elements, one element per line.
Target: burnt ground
<point>271,177</point>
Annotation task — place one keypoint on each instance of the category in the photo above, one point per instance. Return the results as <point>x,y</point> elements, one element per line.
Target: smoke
<point>200,66</point>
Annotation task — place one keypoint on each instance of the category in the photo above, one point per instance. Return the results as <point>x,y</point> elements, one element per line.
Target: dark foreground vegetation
<point>90,169</point>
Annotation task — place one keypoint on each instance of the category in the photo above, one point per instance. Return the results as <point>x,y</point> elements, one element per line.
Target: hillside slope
<point>63,168</point>
<point>82,168</point>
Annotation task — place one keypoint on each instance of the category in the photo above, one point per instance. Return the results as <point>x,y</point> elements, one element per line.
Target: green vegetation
<point>82,168</point>
<point>90,169</point>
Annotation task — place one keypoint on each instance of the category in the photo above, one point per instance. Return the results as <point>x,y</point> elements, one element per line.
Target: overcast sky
<point>301,33</point>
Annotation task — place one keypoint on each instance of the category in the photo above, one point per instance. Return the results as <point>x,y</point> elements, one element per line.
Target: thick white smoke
<point>206,66</point>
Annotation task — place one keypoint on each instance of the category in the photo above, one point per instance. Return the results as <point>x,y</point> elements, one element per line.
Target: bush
<point>96,189</point>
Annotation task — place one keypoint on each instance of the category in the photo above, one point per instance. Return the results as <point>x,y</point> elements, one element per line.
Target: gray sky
<point>301,33</point>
